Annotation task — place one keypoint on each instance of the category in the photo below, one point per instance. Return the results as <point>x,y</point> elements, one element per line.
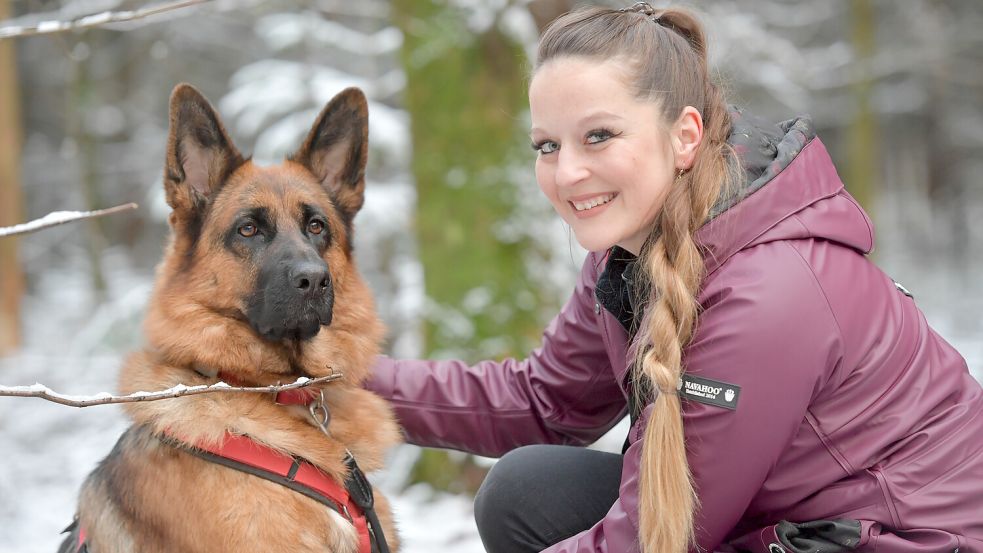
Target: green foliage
<point>454,472</point>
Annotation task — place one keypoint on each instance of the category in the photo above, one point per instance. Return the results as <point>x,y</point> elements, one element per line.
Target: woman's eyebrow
<point>595,116</point>
<point>598,115</point>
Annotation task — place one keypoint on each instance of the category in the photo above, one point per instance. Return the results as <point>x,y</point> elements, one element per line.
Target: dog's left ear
<point>336,149</point>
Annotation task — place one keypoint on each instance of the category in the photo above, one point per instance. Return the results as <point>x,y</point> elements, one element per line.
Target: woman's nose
<point>571,167</point>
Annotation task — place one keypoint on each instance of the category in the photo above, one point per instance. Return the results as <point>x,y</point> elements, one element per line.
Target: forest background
<point>464,256</point>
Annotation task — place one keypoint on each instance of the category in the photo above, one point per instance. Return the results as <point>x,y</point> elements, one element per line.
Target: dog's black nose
<point>310,278</point>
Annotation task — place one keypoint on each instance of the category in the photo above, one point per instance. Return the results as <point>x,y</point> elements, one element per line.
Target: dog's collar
<point>354,501</point>
<point>312,398</point>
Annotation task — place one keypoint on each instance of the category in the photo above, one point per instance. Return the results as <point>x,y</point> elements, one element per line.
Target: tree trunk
<point>862,174</point>
<point>465,94</point>
<point>11,204</point>
<point>545,11</point>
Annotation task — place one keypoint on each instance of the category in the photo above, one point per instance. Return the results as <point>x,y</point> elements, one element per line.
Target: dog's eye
<point>248,230</point>
<point>315,227</point>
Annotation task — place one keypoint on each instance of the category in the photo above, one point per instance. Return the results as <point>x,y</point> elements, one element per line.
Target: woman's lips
<point>591,205</point>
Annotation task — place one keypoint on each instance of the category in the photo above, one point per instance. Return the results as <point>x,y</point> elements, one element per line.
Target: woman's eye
<point>315,227</point>
<point>546,147</point>
<point>248,230</point>
<point>599,135</point>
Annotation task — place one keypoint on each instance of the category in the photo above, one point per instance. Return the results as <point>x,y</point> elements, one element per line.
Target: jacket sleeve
<point>563,393</point>
<point>767,328</point>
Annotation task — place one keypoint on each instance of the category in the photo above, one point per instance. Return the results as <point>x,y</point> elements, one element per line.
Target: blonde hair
<point>666,53</point>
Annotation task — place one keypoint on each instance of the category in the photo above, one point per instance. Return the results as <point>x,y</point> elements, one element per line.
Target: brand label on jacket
<point>711,392</point>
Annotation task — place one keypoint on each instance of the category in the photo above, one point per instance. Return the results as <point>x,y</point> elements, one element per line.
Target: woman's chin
<point>595,243</point>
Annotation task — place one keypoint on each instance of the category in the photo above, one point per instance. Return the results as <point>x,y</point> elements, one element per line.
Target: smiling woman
<point>785,395</point>
<point>605,161</point>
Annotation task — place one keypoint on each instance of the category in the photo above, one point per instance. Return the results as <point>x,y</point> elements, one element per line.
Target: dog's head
<point>269,246</point>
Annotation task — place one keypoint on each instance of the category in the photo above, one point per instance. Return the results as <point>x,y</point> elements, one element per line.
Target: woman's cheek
<point>547,185</point>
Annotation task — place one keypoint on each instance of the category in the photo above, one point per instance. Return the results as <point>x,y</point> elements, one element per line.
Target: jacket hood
<point>791,191</point>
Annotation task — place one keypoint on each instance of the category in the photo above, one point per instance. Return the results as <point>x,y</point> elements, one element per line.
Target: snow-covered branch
<point>43,392</point>
<point>94,20</point>
<point>62,217</point>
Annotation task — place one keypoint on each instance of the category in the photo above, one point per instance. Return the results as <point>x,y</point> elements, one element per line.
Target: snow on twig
<point>62,217</point>
<point>94,20</point>
<point>103,398</point>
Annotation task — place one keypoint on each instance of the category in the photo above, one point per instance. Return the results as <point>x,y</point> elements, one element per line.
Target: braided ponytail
<point>667,52</point>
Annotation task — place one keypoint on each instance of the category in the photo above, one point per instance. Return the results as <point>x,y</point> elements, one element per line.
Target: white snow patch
<point>50,26</point>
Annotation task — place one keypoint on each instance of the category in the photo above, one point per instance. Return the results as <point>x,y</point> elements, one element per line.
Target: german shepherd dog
<point>257,286</point>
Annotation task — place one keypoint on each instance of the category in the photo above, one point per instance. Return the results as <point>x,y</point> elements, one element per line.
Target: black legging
<point>536,496</point>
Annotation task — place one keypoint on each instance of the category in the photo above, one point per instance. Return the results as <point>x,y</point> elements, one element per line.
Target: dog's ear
<point>336,149</point>
<point>200,155</point>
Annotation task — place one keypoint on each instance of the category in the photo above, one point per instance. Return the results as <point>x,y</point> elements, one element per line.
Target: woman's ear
<point>686,136</point>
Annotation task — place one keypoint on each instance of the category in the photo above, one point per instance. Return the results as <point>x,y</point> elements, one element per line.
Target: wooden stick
<point>94,20</point>
<point>43,392</point>
<point>62,217</point>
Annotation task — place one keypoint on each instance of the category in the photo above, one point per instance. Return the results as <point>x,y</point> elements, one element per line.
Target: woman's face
<point>605,159</point>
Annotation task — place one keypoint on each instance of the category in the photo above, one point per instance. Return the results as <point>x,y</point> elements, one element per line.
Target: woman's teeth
<point>593,202</point>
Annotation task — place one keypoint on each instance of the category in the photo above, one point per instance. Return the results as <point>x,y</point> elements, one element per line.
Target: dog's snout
<point>310,278</point>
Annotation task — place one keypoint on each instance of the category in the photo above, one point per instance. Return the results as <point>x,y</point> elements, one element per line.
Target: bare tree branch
<point>8,30</point>
<point>62,217</point>
<point>43,392</point>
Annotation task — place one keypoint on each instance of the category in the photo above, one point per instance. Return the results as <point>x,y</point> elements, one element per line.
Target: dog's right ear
<point>200,155</point>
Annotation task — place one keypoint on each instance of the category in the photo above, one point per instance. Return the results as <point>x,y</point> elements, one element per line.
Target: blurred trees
<point>895,92</point>
<point>11,277</point>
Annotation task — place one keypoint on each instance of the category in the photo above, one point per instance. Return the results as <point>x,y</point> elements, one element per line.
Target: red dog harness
<point>351,501</point>
<point>354,500</point>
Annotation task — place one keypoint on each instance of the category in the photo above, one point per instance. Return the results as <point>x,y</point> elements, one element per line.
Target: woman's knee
<point>506,497</point>
<point>506,484</point>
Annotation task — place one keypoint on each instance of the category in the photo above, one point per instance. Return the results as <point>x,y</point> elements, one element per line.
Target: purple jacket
<point>850,406</point>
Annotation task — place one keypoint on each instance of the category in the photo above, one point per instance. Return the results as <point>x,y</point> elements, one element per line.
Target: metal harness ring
<point>320,414</point>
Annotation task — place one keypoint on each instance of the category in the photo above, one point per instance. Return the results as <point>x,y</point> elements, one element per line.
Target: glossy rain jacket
<point>823,414</point>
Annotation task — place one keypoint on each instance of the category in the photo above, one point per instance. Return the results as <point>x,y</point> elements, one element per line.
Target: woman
<point>785,394</point>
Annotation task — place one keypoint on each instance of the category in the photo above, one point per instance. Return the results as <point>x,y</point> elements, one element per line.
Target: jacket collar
<point>786,194</point>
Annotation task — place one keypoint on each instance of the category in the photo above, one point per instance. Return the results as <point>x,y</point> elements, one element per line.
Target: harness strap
<point>360,492</point>
<point>244,454</point>
<point>74,530</point>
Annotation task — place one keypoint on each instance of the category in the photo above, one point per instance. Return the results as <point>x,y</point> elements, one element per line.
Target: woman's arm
<point>564,393</point>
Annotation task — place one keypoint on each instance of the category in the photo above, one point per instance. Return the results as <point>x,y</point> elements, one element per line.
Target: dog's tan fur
<point>149,496</point>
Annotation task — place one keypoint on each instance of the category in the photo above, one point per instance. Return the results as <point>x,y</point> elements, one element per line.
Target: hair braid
<point>674,266</point>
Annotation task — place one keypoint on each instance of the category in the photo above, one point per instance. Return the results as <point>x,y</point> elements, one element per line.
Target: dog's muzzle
<point>294,304</point>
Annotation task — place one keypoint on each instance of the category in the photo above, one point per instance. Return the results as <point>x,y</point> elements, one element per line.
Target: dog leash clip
<point>320,414</point>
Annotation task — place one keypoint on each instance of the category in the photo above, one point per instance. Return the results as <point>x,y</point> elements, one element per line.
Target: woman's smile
<point>590,205</point>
